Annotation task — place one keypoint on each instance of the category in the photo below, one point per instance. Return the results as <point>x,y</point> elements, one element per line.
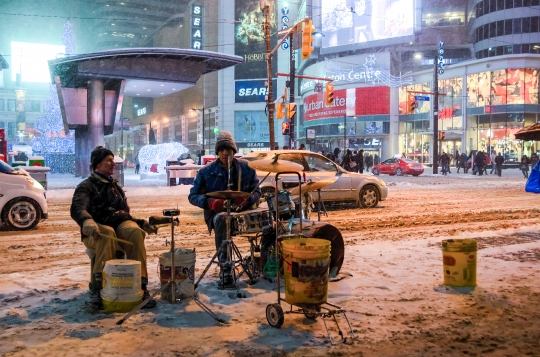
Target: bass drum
<point>311,229</point>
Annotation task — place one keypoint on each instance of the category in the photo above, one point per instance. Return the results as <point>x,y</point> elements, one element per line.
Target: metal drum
<point>251,221</point>
<point>311,229</point>
<point>284,202</point>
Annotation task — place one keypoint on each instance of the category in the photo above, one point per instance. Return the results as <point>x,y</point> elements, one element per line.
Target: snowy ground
<point>391,287</point>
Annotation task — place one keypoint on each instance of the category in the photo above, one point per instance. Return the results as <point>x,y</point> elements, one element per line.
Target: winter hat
<point>98,154</point>
<point>224,140</point>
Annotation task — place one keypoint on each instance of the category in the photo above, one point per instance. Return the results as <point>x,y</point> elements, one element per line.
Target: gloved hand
<point>148,228</point>
<point>216,205</point>
<point>241,201</point>
<point>90,228</point>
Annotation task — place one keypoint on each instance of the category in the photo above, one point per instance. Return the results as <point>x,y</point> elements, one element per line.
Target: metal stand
<point>319,203</point>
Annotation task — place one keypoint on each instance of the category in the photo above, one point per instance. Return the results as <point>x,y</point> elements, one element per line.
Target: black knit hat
<point>224,140</point>
<point>98,154</point>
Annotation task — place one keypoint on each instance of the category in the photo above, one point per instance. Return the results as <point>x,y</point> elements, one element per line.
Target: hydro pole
<point>265,6</point>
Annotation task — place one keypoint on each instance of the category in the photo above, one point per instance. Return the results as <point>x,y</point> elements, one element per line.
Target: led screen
<point>348,22</point>
<point>30,60</point>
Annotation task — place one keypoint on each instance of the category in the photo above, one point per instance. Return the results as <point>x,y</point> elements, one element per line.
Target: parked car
<point>23,203</point>
<point>400,167</point>
<point>364,190</point>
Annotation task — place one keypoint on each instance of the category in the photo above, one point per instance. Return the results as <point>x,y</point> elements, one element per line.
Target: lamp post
<point>203,127</point>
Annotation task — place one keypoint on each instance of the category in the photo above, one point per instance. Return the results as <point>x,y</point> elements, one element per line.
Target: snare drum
<point>252,221</point>
<point>284,202</point>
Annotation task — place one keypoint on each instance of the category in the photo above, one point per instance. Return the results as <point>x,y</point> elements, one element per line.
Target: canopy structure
<point>91,86</point>
<point>531,132</point>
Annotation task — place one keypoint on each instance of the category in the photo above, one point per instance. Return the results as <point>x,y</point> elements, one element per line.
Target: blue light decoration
<point>159,154</point>
<point>53,139</point>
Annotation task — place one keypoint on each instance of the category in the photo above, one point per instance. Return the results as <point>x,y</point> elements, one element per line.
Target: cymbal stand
<point>319,203</point>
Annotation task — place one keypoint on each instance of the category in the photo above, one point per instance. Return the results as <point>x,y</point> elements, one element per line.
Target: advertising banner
<point>251,127</point>
<point>249,40</point>
<point>347,22</point>
<point>251,91</point>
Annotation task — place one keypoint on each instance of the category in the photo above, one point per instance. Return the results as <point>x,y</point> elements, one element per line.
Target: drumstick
<point>117,239</point>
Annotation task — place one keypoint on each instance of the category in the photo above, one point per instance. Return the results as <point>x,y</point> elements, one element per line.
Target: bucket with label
<point>184,266</point>
<point>121,285</point>
<point>459,262</point>
<point>305,263</point>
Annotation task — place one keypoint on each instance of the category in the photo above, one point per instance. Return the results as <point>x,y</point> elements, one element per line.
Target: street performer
<point>99,206</point>
<point>215,177</point>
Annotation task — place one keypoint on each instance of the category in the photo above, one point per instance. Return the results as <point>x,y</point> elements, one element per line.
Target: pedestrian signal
<point>285,128</point>
<point>441,135</point>
<point>280,110</point>
<point>291,110</point>
<point>307,39</point>
<point>329,94</point>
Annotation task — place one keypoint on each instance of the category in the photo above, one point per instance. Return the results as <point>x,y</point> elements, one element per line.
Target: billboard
<point>249,40</point>
<point>251,129</point>
<point>251,91</point>
<point>29,60</point>
<point>350,22</point>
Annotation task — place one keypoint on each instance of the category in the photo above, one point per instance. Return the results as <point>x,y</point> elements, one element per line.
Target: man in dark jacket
<point>99,206</point>
<point>480,161</point>
<point>215,177</point>
<point>499,159</point>
<point>360,162</point>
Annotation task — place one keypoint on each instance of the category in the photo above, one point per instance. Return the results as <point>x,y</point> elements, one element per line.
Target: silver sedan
<point>364,190</point>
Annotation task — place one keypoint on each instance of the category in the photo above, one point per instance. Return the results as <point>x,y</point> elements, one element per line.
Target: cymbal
<point>312,186</point>
<point>228,194</point>
<point>276,166</point>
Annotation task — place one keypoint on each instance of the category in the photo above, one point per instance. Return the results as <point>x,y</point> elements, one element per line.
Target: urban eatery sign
<point>315,107</point>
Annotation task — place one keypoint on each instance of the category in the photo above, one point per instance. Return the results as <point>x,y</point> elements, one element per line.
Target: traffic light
<point>307,39</point>
<point>412,104</point>
<point>329,94</point>
<point>291,110</point>
<point>285,128</point>
<point>441,135</point>
<point>280,110</point>
<point>216,131</point>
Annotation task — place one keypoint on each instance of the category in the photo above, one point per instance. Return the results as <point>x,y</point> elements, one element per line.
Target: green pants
<point>106,248</point>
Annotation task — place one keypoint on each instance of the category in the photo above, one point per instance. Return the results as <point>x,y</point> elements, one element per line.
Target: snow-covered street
<point>390,283</point>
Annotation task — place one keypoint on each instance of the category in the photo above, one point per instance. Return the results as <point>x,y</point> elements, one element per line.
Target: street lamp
<point>203,128</point>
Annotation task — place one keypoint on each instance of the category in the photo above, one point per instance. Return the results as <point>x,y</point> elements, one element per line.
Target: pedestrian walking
<point>461,162</point>
<point>499,159</point>
<point>493,164</point>
<point>487,161</point>
<point>137,162</point>
<point>360,162</point>
<point>480,162</point>
<point>347,161</point>
<point>525,166</point>
<point>369,162</point>
<point>444,161</point>
<point>534,160</point>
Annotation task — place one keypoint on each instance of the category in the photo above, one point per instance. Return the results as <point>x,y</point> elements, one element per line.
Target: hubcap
<point>369,198</point>
<point>22,214</point>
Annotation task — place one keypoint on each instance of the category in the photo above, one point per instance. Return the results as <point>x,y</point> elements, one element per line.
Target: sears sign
<point>251,91</point>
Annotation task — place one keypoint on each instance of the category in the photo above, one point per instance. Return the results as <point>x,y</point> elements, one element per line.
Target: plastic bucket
<point>184,266</point>
<point>459,262</point>
<point>122,277</point>
<point>306,262</point>
<point>121,303</point>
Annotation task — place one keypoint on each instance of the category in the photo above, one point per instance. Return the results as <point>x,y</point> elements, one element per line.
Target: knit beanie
<point>224,140</point>
<point>98,154</point>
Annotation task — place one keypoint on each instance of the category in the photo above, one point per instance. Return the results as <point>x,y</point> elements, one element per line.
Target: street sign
<point>421,97</point>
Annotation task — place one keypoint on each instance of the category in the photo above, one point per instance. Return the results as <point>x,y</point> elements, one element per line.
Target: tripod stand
<point>234,257</point>
<point>169,218</point>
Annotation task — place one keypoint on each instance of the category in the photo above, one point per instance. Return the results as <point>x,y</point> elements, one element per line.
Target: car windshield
<point>5,168</point>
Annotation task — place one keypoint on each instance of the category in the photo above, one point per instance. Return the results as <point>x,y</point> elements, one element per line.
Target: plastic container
<point>459,262</point>
<point>184,266</point>
<point>306,262</point>
<point>122,277</point>
<point>122,303</point>
<point>36,161</point>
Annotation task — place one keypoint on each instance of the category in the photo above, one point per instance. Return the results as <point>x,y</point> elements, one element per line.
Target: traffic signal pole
<point>291,89</point>
<point>436,119</point>
<point>270,101</point>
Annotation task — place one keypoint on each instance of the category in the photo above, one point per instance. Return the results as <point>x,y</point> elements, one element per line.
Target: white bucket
<point>184,264</point>
<point>122,277</point>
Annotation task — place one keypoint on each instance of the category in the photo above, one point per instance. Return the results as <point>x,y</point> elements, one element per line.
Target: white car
<point>364,190</point>
<point>23,203</point>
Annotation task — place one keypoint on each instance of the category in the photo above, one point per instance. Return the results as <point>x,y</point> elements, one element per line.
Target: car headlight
<point>382,182</point>
<point>33,182</point>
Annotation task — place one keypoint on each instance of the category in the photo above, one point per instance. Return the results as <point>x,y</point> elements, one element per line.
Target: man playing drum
<point>99,206</point>
<point>215,177</point>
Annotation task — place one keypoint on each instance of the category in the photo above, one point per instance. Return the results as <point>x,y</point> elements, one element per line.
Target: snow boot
<point>95,302</point>
<point>151,303</point>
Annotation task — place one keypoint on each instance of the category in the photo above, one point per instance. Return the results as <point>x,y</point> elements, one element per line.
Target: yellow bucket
<point>121,285</point>
<point>121,303</point>
<point>459,262</point>
<point>306,262</point>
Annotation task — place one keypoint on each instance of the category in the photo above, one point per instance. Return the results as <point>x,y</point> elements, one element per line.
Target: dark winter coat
<point>480,159</point>
<point>499,160</point>
<point>359,160</point>
<point>346,162</point>
<point>100,199</point>
<point>214,177</point>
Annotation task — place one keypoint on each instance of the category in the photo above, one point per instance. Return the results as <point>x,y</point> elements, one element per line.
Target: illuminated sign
<point>141,111</point>
<point>349,22</point>
<point>196,27</point>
